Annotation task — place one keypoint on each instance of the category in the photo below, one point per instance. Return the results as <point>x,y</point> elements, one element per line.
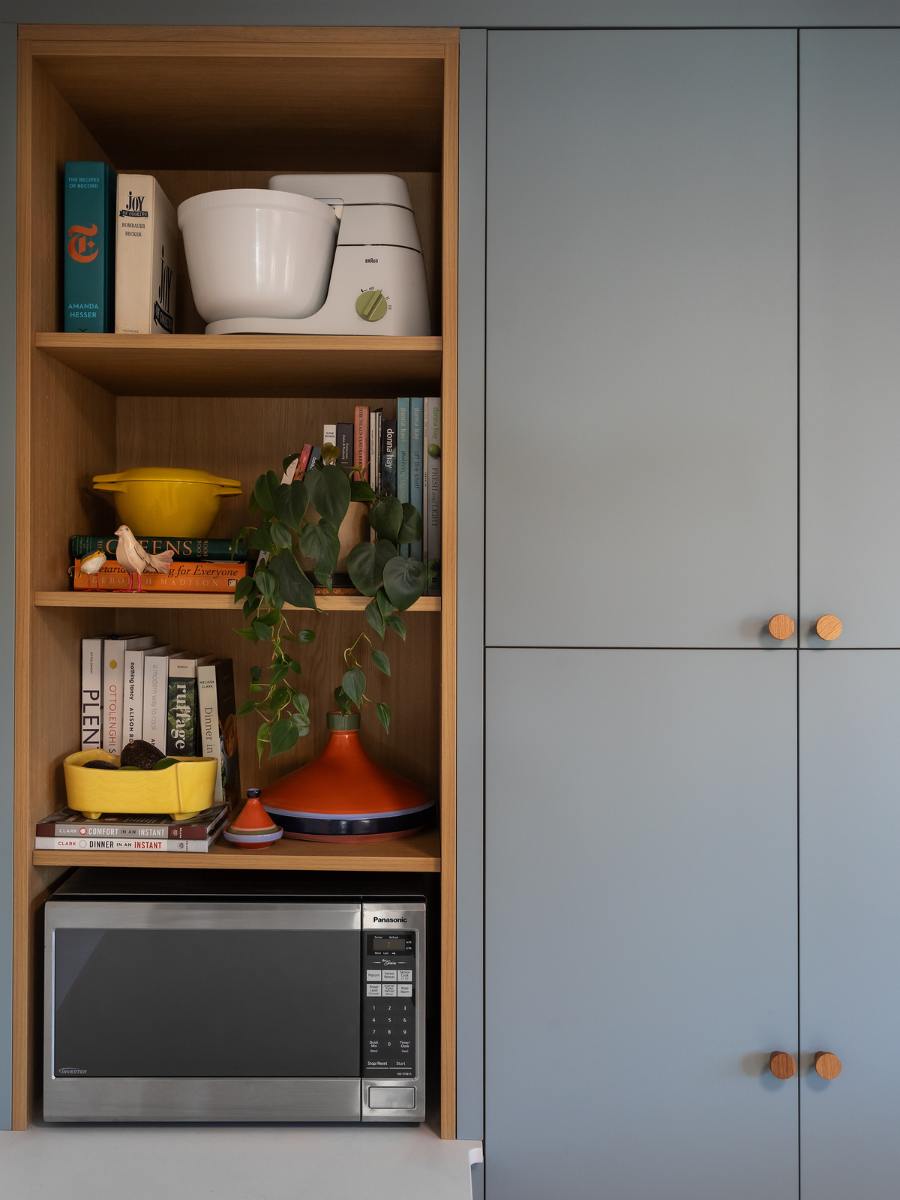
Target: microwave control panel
<point>389,1005</point>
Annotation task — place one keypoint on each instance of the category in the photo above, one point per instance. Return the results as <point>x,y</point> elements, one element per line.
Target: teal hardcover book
<point>88,238</point>
<point>403,457</point>
<point>416,463</point>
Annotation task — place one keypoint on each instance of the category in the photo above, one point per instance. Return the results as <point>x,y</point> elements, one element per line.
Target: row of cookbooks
<point>134,690</point>
<point>399,456</point>
<point>120,250</point>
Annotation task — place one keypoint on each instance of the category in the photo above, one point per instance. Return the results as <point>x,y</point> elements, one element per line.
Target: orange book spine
<point>182,577</point>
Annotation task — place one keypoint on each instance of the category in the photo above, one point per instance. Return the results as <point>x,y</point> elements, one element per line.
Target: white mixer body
<point>377,283</point>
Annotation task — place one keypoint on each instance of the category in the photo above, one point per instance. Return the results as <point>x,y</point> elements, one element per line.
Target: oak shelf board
<point>421,852</point>
<point>198,602</point>
<point>187,364</point>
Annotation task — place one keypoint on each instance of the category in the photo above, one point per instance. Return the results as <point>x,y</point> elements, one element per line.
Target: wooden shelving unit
<point>250,365</point>
<point>231,107</point>
<point>421,852</point>
<point>200,603</point>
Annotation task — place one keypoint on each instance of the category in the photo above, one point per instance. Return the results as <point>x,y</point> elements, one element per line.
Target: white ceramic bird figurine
<point>135,559</point>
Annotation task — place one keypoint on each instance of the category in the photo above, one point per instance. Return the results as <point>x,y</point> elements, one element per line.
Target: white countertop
<point>150,1162</point>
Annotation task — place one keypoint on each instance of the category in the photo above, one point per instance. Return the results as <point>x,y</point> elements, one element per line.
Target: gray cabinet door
<point>849,921</point>
<point>641,904</point>
<point>850,332</point>
<point>641,336</point>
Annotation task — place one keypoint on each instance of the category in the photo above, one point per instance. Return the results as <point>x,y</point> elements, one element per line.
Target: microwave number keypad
<point>389,1006</point>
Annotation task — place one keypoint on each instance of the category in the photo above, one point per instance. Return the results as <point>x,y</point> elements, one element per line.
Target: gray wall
<point>475,13</point>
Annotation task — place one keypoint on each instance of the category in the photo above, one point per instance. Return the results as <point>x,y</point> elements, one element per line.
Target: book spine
<point>145,248</point>
<point>113,694</point>
<point>209,577</point>
<point>208,718</point>
<point>88,200</point>
<point>303,460</point>
<point>431,518</point>
<point>181,710</point>
<point>184,549</point>
<point>329,435</point>
<point>416,460</point>
<point>156,678</point>
<point>389,457</point>
<point>361,439</point>
<point>403,457</point>
<point>133,716</point>
<point>143,845</point>
<point>91,693</point>
<point>69,830</point>
<point>345,443</point>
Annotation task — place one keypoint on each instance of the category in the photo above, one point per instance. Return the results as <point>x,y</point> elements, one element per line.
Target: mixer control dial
<point>372,305</point>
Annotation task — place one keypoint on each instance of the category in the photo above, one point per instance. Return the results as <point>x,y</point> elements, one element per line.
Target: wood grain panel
<point>448,587</point>
<point>198,602</point>
<point>381,113</point>
<point>54,448</point>
<point>249,365</point>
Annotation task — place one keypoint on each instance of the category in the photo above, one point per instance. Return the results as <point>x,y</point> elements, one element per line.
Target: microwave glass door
<point>187,991</point>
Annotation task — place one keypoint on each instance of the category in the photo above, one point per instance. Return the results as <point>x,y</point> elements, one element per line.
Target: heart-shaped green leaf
<point>331,494</point>
<point>384,716</point>
<point>366,563</point>
<point>410,527</point>
<point>386,516</point>
<point>320,542</point>
<point>293,585</point>
<point>361,491</point>
<point>404,580</point>
<point>399,627</point>
<point>375,618</point>
<point>381,661</point>
<point>265,491</point>
<point>283,736</point>
<point>354,684</point>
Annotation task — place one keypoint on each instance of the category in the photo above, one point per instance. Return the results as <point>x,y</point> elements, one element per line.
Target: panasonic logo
<point>389,920</point>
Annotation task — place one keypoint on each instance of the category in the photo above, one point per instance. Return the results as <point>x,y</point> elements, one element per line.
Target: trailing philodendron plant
<point>298,539</point>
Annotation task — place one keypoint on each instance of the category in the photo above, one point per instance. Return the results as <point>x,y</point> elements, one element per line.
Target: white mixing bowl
<point>252,252</point>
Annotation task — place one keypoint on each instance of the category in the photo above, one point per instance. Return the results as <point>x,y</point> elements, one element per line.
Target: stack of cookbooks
<point>199,565</point>
<point>135,690</point>
<point>67,830</point>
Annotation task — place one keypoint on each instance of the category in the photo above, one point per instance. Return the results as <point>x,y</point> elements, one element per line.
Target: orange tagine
<point>345,797</point>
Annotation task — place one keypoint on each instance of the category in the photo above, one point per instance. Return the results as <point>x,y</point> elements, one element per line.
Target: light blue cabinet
<point>641,337</point>
<point>641,935</point>
<point>849,322</point>
<point>849,917</point>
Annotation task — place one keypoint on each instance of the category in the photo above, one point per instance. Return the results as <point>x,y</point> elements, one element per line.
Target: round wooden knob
<point>782,1065</point>
<point>828,1066</point>
<point>781,627</point>
<point>829,627</point>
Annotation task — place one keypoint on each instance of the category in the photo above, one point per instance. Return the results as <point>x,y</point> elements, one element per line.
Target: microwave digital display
<point>387,945</point>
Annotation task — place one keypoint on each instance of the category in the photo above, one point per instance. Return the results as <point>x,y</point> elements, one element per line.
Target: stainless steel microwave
<point>194,999</point>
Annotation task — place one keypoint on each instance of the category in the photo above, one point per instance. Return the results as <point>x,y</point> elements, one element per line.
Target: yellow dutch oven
<point>167,501</point>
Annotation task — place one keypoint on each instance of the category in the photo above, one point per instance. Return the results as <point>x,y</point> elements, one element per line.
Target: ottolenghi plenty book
<point>146,254</point>
<point>88,241</point>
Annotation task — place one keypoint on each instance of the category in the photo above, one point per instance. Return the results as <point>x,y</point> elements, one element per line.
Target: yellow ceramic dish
<point>167,501</point>
<point>179,792</point>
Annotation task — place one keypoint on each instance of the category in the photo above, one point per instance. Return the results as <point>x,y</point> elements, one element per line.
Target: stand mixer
<point>275,262</point>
